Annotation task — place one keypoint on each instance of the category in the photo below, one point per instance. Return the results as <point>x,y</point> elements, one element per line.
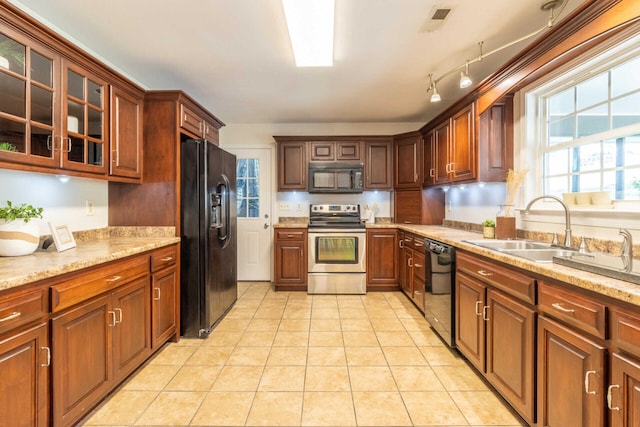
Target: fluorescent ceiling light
<point>310,25</point>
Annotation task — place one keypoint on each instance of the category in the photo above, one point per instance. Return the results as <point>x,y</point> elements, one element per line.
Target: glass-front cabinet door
<point>84,120</point>
<point>28,90</point>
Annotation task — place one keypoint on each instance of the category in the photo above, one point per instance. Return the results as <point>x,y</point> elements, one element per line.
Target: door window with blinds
<point>248,188</point>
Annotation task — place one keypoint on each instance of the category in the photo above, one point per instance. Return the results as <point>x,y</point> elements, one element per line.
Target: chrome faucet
<point>626,249</point>
<point>567,216</point>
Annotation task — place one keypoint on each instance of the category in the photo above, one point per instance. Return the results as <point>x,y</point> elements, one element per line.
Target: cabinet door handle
<point>610,397</point>
<point>558,306</point>
<point>478,308</point>
<point>68,144</point>
<point>485,273</point>
<point>11,316</point>
<point>167,259</point>
<point>114,279</point>
<point>410,262</point>
<point>113,317</point>
<point>401,244</point>
<point>158,297</point>
<point>432,172</point>
<point>119,310</point>
<point>485,313</point>
<point>49,142</point>
<point>587,376</point>
<point>48,350</point>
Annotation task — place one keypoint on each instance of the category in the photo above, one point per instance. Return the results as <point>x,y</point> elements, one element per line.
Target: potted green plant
<point>18,234</point>
<point>488,229</point>
<point>6,146</point>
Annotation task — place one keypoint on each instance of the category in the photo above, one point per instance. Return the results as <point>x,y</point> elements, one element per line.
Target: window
<point>589,126</point>
<point>248,188</point>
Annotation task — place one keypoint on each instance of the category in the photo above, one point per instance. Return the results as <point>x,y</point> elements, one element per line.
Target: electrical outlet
<point>284,206</point>
<point>299,206</point>
<point>89,207</point>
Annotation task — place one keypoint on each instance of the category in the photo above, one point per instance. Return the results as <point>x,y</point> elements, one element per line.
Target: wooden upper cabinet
<point>495,141</point>
<point>463,145</point>
<point>292,166</point>
<point>441,148</point>
<point>328,151</point>
<point>348,150</point>
<point>378,165</point>
<point>126,134</point>
<point>322,151</point>
<point>408,161</point>
<point>428,166</point>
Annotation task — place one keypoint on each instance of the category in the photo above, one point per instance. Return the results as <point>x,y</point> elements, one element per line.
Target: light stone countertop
<point>16,271</point>
<point>291,225</point>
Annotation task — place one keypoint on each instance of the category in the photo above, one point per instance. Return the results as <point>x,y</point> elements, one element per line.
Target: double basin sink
<point>533,251</point>
<point>609,265</point>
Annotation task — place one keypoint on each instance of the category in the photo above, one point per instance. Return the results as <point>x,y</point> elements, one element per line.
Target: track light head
<point>435,96</point>
<point>465,81</point>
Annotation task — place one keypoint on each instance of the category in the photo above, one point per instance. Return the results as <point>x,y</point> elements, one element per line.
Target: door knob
<point>266,225</point>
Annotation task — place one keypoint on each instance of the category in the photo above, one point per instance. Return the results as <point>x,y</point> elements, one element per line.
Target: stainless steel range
<point>337,250</point>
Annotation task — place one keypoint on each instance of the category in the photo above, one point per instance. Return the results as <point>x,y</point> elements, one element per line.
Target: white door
<point>254,212</point>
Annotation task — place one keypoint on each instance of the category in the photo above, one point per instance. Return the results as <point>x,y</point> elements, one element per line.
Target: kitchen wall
<point>63,202</point>
<point>296,204</point>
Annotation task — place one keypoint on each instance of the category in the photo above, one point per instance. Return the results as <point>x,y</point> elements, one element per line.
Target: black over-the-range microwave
<point>335,177</point>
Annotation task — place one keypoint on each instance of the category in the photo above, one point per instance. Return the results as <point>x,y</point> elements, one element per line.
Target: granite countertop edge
<point>45,264</point>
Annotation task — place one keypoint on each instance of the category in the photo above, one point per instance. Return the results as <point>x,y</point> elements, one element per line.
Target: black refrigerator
<point>208,282</point>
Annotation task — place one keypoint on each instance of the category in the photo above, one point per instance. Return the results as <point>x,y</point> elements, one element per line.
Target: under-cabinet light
<point>311,24</point>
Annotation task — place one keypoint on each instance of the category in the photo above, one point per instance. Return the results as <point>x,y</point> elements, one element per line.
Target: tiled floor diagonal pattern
<point>292,359</point>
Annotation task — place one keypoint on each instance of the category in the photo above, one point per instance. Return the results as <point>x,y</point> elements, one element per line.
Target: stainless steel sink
<point>540,255</point>
<point>502,245</point>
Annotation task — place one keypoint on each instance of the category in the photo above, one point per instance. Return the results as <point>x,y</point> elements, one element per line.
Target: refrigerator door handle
<point>223,230</point>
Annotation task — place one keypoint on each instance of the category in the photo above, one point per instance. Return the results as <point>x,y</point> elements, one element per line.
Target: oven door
<point>337,251</point>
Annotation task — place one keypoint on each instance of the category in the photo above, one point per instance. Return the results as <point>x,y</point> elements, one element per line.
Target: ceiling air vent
<point>436,17</point>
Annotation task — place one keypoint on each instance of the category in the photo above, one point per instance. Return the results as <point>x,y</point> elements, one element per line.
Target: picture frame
<point>62,236</point>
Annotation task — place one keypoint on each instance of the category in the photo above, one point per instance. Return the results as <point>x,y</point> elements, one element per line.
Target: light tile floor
<point>292,359</point>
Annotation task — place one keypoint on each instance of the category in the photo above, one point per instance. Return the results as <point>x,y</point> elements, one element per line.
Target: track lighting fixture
<point>555,8</point>
<point>465,80</point>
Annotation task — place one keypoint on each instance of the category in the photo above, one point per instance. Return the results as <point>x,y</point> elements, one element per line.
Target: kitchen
<point>470,203</point>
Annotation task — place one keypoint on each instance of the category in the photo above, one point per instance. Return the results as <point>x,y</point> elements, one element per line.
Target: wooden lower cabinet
<point>382,255</point>
<point>412,267</point>
<point>495,331</point>
<point>571,380</point>
<point>24,370</point>
<point>623,394</point>
<point>290,259</point>
<point>95,345</point>
<point>164,312</point>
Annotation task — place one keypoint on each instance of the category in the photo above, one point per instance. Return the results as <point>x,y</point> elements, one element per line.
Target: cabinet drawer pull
<point>478,308</point>
<point>114,279</point>
<point>167,259</point>
<point>11,316</point>
<point>113,317</point>
<point>119,310</point>
<point>290,236</point>
<point>484,273</point>
<point>418,244</point>
<point>587,375</point>
<point>557,306</point>
<point>158,297</point>
<point>485,313</point>
<point>48,350</point>
<point>417,265</point>
<point>610,397</point>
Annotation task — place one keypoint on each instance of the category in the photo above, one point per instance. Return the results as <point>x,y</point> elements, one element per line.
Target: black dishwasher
<point>439,295</point>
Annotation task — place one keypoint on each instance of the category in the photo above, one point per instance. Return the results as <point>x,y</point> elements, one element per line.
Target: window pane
<point>632,181</point>
<point>41,105</point>
<point>556,185</point>
<point>625,111</point>
<point>75,117</point>
<point>557,162</point>
<point>13,133</point>
<point>95,124</point>
<point>76,153</point>
<point>241,189</point>
<point>609,183</point>
<point>242,208</point>
<point>561,104</point>
<point>610,153</point>
<point>624,78</point>
<point>589,182</point>
<point>589,157</point>
<point>12,55</point>
<point>41,69</point>
<point>75,84</point>
<point>254,168</point>
<point>41,144</point>
<point>13,96</point>
<point>593,121</point>
<point>562,130</point>
<point>94,97</point>
<point>254,208</point>
<point>593,91</point>
<point>241,169</point>
<point>632,150</point>
<point>254,188</point>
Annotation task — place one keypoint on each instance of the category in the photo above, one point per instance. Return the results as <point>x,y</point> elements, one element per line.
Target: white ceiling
<point>234,56</point>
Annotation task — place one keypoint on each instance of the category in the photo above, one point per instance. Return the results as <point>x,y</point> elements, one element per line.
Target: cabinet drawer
<point>625,330</point>
<point>20,307</point>
<point>505,279</point>
<point>163,258</point>
<point>97,281</point>
<point>417,244</point>
<point>289,235</point>
<point>576,310</point>
<point>211,133</point>
<point>190,120</point>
